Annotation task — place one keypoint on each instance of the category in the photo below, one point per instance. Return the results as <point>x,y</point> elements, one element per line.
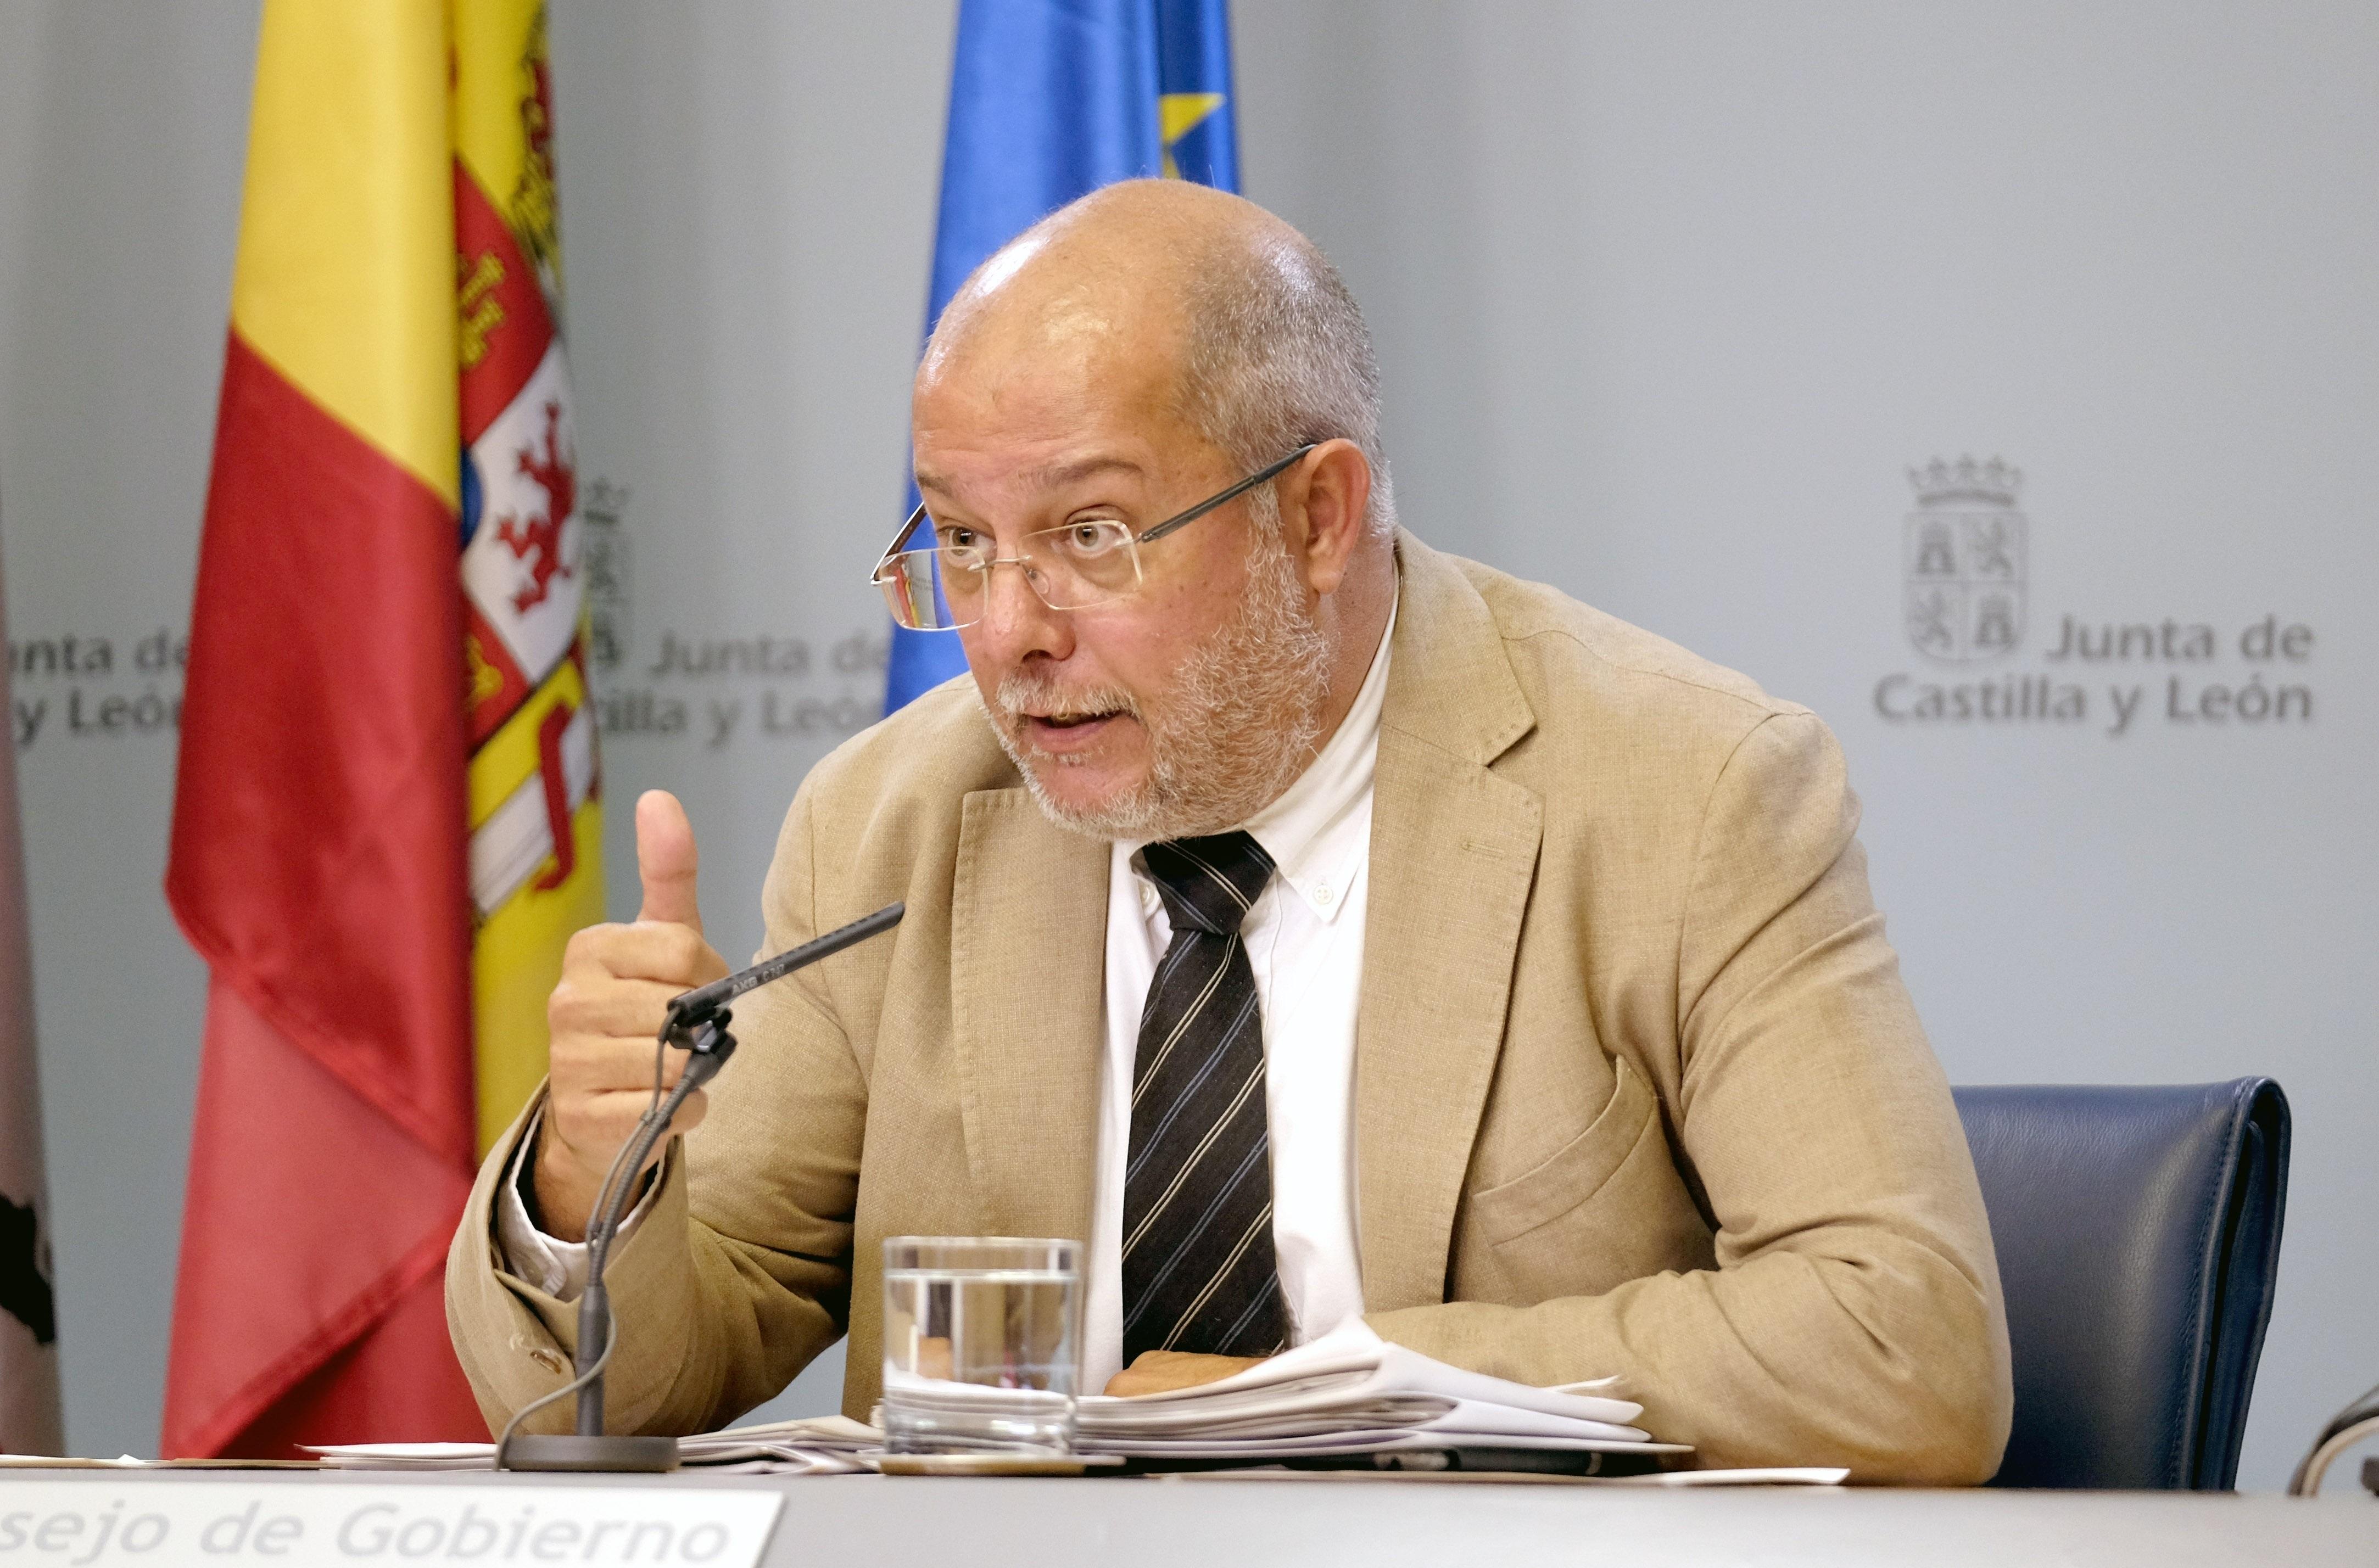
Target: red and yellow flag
<point>386,822</point>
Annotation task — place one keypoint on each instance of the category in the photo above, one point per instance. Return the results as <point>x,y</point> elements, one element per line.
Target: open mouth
<point>1043,716</point>
<point>1067,731</point>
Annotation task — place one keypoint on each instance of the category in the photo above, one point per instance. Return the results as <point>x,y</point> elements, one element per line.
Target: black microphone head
<point>688,1008</point>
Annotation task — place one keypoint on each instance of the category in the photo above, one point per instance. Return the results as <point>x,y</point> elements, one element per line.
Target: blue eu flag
<point>1049,100</point>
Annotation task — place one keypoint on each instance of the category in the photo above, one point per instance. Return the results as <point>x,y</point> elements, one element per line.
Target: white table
<point>829,1522</point>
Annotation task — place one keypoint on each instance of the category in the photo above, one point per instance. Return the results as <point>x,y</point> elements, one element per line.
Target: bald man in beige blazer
<point>1637,1089</point>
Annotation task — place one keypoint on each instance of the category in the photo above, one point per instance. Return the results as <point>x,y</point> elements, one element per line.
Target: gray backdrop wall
<point>1669,300</point>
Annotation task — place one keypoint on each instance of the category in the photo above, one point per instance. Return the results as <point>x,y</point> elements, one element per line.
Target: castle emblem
<point>1963,561</point>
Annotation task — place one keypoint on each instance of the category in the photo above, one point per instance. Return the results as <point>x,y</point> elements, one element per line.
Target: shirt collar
<point>1319,831</point>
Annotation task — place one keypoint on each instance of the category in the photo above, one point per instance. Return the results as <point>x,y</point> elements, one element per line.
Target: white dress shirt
<point>1304,939</point>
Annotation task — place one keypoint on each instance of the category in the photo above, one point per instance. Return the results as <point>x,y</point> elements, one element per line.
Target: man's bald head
<point>1233,320</point>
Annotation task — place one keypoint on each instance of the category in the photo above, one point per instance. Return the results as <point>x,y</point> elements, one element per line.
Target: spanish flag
<point>386,820</point>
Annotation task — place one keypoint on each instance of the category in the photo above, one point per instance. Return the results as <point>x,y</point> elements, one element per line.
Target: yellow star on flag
<point>1178,113</point>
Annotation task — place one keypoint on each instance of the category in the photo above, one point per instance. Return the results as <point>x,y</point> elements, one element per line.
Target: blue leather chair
<point>2138,1231</point>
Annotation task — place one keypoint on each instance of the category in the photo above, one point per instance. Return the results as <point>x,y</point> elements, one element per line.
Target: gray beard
<point>1243,721</point>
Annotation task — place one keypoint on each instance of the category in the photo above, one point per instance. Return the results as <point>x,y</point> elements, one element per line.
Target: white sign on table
<point>72,1525</point>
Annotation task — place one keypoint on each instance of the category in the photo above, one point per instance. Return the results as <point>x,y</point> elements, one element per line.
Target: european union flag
<point>1049,100</point>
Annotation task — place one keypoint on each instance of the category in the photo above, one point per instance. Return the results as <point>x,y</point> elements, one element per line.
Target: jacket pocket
<point>1572,1173</point>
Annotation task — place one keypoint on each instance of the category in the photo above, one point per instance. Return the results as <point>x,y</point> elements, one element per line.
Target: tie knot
<point>1209,883</point>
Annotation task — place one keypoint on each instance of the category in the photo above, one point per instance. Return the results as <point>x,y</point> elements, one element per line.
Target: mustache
<point>1024,693</point>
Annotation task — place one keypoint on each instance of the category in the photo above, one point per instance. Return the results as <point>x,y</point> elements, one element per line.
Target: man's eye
<point>1094,537</point>
<point>962,541</point>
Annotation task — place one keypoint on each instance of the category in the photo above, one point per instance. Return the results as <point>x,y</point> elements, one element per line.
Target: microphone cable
<point>658,1116</point>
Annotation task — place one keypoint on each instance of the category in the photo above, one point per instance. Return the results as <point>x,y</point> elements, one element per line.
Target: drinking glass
<point>982,1345</point>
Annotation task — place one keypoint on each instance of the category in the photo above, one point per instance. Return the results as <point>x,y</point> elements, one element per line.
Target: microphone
<point>696,1023</point>
<point>693,1007</point>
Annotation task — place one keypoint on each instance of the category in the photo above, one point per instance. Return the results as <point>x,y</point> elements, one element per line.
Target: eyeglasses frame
<point>1178,520</point>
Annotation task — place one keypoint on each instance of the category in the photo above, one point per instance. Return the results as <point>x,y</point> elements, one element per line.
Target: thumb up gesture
<point>605,1015</point>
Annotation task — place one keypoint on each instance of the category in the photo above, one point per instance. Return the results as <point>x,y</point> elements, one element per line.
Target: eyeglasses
<point>1072,567</point>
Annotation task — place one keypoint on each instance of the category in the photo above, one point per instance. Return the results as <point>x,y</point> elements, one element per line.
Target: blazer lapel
<point>1028,963</point>
<point>1454,855</point>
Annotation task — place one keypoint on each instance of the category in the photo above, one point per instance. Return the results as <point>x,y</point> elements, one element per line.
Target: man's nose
<point>1018,622</point>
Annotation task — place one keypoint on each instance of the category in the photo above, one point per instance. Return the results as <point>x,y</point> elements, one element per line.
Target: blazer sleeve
<point>1853,1317</point>
<point>741,1272</point>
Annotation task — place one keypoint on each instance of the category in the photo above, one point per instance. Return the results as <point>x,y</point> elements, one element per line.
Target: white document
<point>1772,1476</point>
<point>1351,1392</point>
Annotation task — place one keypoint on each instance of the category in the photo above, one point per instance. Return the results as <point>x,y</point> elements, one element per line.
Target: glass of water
<point>982,1345</point>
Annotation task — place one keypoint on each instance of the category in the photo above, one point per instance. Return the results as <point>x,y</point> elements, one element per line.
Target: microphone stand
<point>696,1024</point>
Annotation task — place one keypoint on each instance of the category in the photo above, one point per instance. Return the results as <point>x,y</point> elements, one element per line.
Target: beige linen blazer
<point>1638,1089</point>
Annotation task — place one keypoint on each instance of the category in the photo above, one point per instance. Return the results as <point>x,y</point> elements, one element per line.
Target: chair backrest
<point>2138,1231</point>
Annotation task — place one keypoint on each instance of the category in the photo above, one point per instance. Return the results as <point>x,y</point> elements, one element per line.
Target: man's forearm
<point>530,1250</point>
<point>562,1196</point>
<point>1879,1355</point>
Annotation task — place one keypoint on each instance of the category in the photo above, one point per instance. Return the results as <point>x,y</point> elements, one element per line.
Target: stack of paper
<point>1347,1392</point>
<point>403,1455</point>
<point>1351,1392</point>
<point>823,1445</point>
<point>816,1446</point>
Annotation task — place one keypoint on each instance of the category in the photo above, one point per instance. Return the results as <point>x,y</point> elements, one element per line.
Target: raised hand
<point>605,1013</point>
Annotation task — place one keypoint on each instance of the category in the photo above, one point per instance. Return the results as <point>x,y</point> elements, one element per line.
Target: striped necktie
<point>1197,1267</point>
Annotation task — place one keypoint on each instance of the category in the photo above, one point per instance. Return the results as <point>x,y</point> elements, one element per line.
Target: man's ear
<point>1332,485</point>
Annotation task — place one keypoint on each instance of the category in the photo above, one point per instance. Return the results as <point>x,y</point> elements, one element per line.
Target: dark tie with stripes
<point>1198,1268</point>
